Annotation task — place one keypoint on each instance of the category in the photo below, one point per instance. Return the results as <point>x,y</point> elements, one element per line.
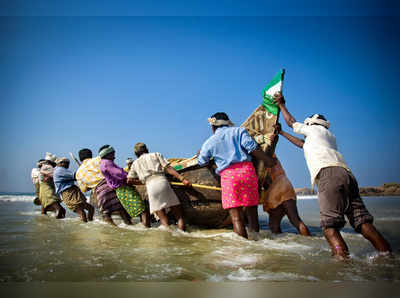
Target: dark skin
<point>238,214</point>
<point>144,216</point>
<point>288,208</point>
<point>176,210</point>
<point>338,245</point>
<point>85,206</point>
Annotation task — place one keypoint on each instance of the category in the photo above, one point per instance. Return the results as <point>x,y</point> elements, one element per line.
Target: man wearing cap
<point>338,192</point>
<point>72,196</point>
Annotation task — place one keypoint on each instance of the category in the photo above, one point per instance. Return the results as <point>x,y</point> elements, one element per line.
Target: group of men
<point>338,193</point>
<point>112,188</point>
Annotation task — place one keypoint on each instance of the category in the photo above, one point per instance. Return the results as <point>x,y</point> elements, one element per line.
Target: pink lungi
<point>239,185</point>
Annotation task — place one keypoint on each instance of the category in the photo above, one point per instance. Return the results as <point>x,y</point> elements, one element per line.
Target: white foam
<point>250,275</point>
<point>307,197</point>
<point>387,219</point>
<point>241,260</point>
<point>286,276</point>
<point>16,198</point>
<point>31,213</point>
<point>242,275</point>
<point>288,246</point>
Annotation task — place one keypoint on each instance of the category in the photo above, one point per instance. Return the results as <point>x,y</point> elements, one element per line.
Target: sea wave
<point>307,197</point>
<point>16,198</point>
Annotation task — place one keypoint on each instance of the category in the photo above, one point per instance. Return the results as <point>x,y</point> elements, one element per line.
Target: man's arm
<point>280,101</point>
<point>170,170</point>
<point>294,140</point>
<point>133,181</point>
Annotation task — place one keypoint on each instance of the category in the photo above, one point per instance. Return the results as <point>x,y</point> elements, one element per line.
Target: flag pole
<point>75,159</point>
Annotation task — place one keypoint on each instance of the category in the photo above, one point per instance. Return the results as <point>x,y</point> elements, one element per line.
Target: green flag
<point>272,87</point>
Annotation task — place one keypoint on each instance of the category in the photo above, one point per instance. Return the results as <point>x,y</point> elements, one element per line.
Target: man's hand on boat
<point>170,170</point>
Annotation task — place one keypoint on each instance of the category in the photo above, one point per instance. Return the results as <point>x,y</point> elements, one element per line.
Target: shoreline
<point>386,190</point>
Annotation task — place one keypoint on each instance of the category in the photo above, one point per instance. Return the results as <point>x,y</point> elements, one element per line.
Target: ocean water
<point>36,248</point>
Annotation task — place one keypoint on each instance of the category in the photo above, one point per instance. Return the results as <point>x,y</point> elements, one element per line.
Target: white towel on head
<point>51,157</point>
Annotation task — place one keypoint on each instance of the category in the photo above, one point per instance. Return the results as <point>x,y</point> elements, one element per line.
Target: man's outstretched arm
<point>280,101</point>
<point>292,139</point>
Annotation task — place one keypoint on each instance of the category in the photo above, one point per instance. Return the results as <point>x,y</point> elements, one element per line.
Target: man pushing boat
<point>338,192</point>
<point>232,149</point>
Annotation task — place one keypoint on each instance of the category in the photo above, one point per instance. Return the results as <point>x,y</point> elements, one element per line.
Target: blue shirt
<point>228,145</point>
<point>63,179</point>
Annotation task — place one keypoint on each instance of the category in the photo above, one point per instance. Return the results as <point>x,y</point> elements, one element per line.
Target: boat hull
<point>201,207</point>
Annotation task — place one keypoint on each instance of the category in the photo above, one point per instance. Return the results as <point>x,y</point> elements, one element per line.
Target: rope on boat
<point>198,186</point>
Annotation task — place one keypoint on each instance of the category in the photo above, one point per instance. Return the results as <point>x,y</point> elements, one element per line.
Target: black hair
<point>220,116</point>
<point>322,117</point>
<point>85,154</point>
<point>52,163</point>
<point>102,147</point>
<point>141,150</point>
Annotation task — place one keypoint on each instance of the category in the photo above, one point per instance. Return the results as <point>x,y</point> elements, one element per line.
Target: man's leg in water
<point>163,217</point>
<point>177,212</point>
<point>107,218</point>
<point>252,218</point>
<point>81,212</point>
<point>125,216</point>
<point>370,233</point>
<point>90,210</point>
<point>275,218</point>
<point>237,217</point>
<point>338,246</point>
<point>145,217</point>
<point>57,208</point>
<point>362,221</point>
<point>291,211</point>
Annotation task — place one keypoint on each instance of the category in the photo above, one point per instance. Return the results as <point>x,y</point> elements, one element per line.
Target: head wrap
<point>47,170</point>
<point>40,163</point>
<point>140,147</point>
<point>62,159</point>
<point>316,120</point>
<point>51,157</point>
<point>219,122</point>
<point>106,151</point>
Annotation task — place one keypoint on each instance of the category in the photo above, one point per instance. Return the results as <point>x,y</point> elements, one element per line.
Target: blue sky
<point>75,79</point>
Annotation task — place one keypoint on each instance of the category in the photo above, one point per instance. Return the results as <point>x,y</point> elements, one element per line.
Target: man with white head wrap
<point>338,192</point>
<point>48,198</point>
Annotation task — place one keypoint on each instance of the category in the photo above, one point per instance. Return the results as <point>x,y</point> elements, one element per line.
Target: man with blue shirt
<point>232,149</point>
<point>72,196</point>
